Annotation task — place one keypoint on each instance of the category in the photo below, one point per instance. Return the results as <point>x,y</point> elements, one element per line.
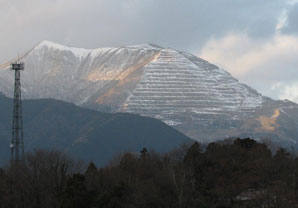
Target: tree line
<point>235,173</point>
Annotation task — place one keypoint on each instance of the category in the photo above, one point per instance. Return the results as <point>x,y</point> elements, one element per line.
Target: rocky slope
<point>196,97</point>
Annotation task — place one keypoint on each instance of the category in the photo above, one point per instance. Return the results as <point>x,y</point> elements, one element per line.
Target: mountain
<point>196,97</point>
<point>82,133</point>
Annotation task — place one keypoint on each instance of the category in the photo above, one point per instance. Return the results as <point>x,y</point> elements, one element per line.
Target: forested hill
<point>234,174</point>
<point>84,134</point>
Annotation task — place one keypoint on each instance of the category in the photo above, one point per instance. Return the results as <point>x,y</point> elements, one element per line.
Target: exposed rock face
<point>194,96</point>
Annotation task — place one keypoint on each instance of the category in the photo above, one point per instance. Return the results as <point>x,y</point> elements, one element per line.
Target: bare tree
<point>40,180</point>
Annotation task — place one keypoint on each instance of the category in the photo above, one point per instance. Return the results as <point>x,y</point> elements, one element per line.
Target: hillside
<point>194,96</point>
<point>84,134</point>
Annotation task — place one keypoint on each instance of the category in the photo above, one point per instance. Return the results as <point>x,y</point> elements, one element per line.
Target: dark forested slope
<point>82,133</point>
<point>231,174</point>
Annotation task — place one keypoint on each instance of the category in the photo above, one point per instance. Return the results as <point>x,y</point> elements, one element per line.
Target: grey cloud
<point>291,24</point>
<point>188,24</point>
<point>185,25</point>
<point>271,73</point>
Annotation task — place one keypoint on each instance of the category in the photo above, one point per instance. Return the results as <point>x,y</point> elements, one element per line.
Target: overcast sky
<point>255,40</point>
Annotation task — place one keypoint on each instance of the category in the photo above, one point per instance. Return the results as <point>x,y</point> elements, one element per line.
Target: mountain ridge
<point>196,97</point>
<point>83,133</point>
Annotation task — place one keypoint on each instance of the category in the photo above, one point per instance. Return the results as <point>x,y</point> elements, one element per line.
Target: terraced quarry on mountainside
<point>196,97</point>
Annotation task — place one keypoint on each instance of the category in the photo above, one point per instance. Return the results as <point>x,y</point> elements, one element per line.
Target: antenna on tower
<point>17,141</point>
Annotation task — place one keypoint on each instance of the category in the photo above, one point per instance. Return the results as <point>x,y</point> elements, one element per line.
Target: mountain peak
<point>81,52</point>
<point>145,46</point>
<point>55,45</point>
<point>52,44</point>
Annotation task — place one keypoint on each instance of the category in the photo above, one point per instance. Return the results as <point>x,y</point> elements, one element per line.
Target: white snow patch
<point>79,52</point>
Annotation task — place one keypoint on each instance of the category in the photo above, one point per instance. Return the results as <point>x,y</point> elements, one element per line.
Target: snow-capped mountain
<point>189,93</point>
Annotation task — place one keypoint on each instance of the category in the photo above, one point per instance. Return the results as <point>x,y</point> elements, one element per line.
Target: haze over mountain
<point>82,133</point>
<point>189,93</point>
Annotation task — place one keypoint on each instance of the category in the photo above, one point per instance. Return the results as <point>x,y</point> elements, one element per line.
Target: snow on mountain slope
<point>71,74</point>
<point>176,83</point>
<point>184,91</point>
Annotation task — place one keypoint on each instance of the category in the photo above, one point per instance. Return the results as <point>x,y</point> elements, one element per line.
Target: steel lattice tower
<point>17,142</point>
